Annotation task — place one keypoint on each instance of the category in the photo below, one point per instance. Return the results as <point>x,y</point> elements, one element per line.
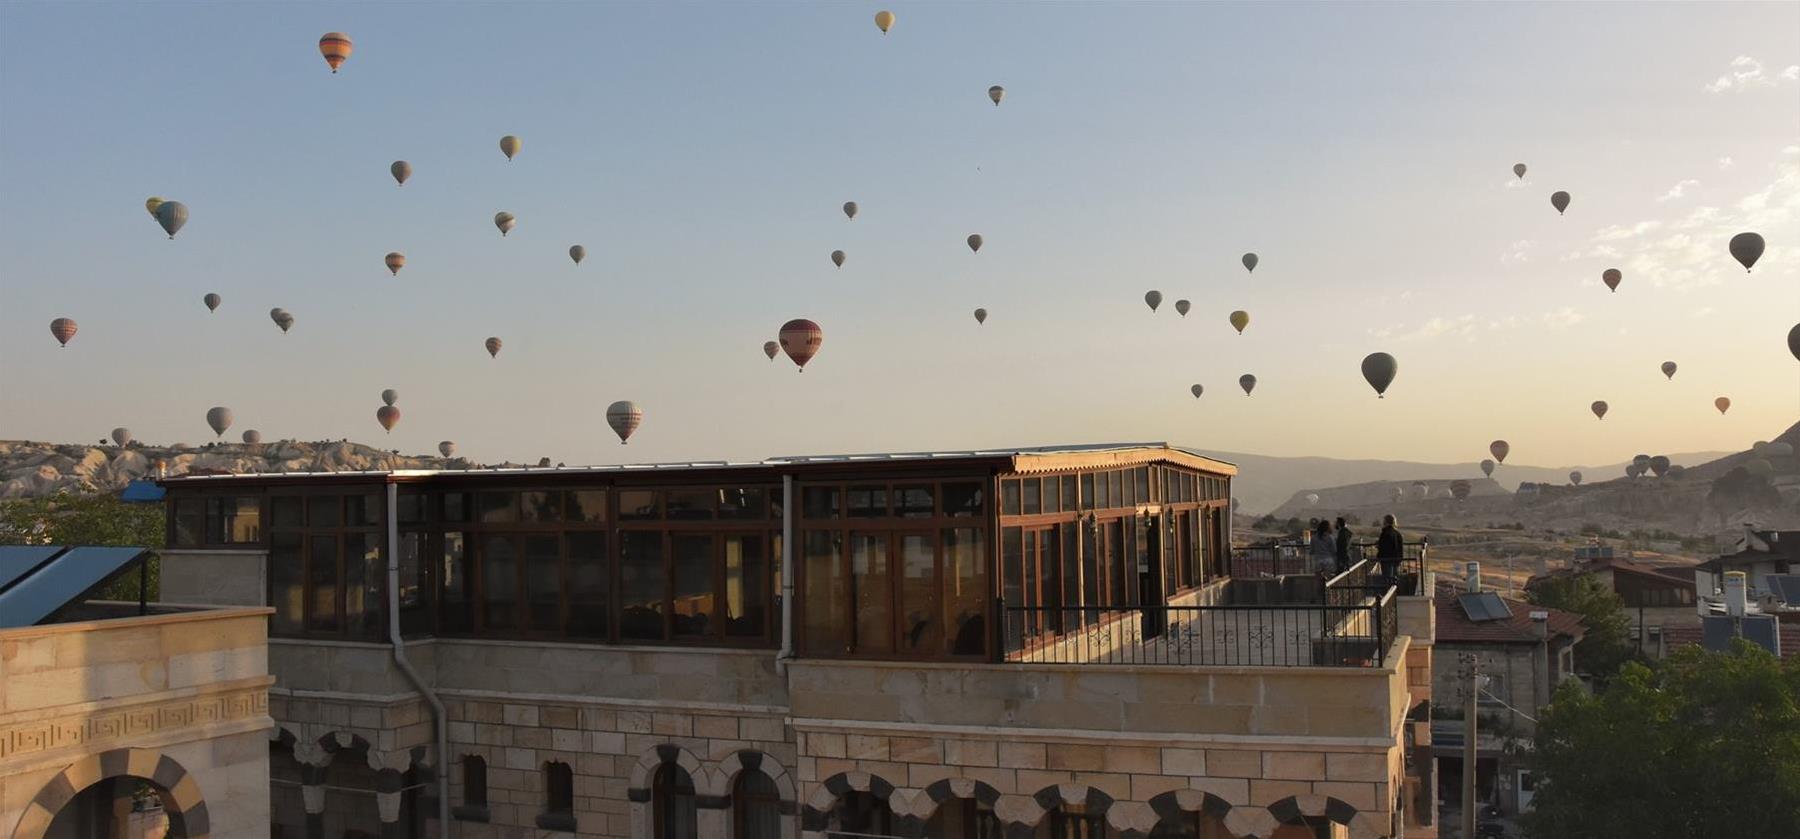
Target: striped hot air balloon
<point>800,339</point>
<point>624,416</point>
<point>63,329</point>
<point>395,261</point>
<point>335,46</point>
<point>493,347</point>
<point>388,416</point>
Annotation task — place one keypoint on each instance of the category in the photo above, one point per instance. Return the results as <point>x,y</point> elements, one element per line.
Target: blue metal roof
<point>142,491</point>
<point>63,579</point>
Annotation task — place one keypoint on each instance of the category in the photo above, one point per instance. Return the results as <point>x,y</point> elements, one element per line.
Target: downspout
<point>437,705</point>
<point>787,574</point>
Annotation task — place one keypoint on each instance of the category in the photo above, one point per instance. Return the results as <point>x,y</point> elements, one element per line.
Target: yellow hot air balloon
<point>883,20</point>
<point>1239,320</point>
<point>335,47</point>
<point>151,204</point>
<point>509,146</point>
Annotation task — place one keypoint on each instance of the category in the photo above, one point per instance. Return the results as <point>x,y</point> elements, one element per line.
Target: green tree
<point>67,519</point>
<point>1707,745</point>
<point>1606,637</point>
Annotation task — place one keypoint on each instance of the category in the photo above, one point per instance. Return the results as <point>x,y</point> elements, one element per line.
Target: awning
<point>51,577</point>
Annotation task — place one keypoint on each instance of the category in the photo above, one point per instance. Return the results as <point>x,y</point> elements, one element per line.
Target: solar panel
<point>60,582</point>
<point>1763,631</point>
<point>1786,587</point>
<point>1484,606</point>
<point>17,561</point>
<point>1716,633</point>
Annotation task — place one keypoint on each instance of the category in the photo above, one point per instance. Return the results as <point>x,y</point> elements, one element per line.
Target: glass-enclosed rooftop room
<point>917,556</point>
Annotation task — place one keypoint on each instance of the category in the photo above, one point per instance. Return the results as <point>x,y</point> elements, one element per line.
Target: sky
<point>701,153</point>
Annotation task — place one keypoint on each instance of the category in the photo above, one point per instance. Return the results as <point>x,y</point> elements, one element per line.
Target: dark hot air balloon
<point>395,261</point>
<point>577,253</point>
<point>837,258</point>
<point>1196,390</point>
<point>252,437</point>
<point>850,209</point>
<point>1249,261</point>
<point>975,242</point>
<point>447,448</point>
<point>1794,341</point>
<point>1747,248</point>
<point>1611,277</point>
<point>63,329</point>
<point>212,302</point>
<point>1181,307</point>
<point>981,316</point>
<point>509,146</point>
<point>624,417</point>
<point>1668,368</point>
<point>121,436</point>
<point>390,396</point>
<point>1659,466</point>
<point>1575,478</point>
<point>388,416</point>
<point>1499,449</point>
<point>770,348</point>
<point>1519,170</point>
<point>1642,462</point>
<point>1722,403</point>
<point>996,93</point>
<point>335,47</point>
<point>171,215</point>
<point>1460,489</point>
<point>219,419</point>
<point>801,339</point>
<point>1599,408</point>
<point>1153,299</point>
<point>493,347</point>
<point>1559,200</point>
<point>401,170</point>
<point>505,221</point>
<point>1240,319</point>
<point>1487,468</point>
<point>1378,370</point>
<point>1247,382</point>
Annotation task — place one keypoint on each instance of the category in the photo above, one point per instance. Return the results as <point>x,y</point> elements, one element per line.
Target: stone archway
<point>1174,806</point>
<point>638,795</point>
<point>180,791</point>
<point>815,819</point>
<point>723,781</point>
<point>1290,810</point>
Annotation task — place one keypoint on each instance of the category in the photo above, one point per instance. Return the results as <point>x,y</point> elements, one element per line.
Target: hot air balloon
<point>509,146</point>
<point>801,339</point>
<point>1668,368</point>
<point>151,204</point>
<point>1181,307</point>
<point>1760,468</point>
<point>447,448</point>
<point>1794,341</point>
<point>1633,470</point>
<point>1599,408</point>
<point>395,261</point>
<point>1642,462</point>
<point>883,20</point>
<point>171,215</point>
<point>401,170</point>
<point>770,348</point>
<point>1675,472</point>
<point>1659,466</point>
<point>1575,478</point>
<point>1460,489</point>
<point>1378,370</point>
<point>981,316</point>
<point>212,301</point>
<point>1239,320</point>
<point>1399,493</point>
<point>1611,277</point>
<point>975,242</point>
<point>252,437</point>
<point>219,419</point>
<point>276,313</point>
<point>1487,468</point>
<point>624,417</point>
<point>335,46</point>
<point>1250,261</point>
<point>1519,170</point>
<point>1196,390</point>
<point>1423,488</point>
<point>388,416</point>
<point>577,253</point>
<point>1499,449</point>
<point>286,322</point>
<point>63,329</point>
<point>1722,403</point>
<point>121,436</point>
<point>1247,382</point>
<point>1312,499</point>
<point>996,93</point>
<point>1747,248</point>
<point>505,221</point>
<point>493,347</point>
<point>837,258</point>
<point>850,209</point>
<point>390,396</point>
<point>1559,200</point>
<point>1760,448</point>
<point>1153,299</point>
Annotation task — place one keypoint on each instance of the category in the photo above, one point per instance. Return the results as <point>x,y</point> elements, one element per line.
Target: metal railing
<point>1293,558</point>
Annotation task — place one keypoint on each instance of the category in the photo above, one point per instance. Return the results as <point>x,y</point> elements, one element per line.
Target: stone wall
<point>214,577</point>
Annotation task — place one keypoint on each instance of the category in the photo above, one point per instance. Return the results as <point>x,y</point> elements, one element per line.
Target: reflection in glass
<point>689,504</point>
<point>1009,498</point>
<point>287,583</point>
<point>868,502</point>
<point>741,503</point>
<point>497,506</point>
<point>826,616</point>
<point>324,511</point>
<point>921,620</point>
<point>543,583</point>
<point>284,511</point>
<point>819,502</point>
<point>873,583</point>
<point>965,590</point>
<point>746,587</point>
<point>642,584</point>
<point>1030,493</point>
<point>322,575</point>
<point>962,500</point>
<point>457,609</point>
<point>587,505</point>
<point>638,505</point>
<point>914,502</point>
<point>693,583</point>
<point>540,505</point>
<point>589,582</point>
<point>499,582</point>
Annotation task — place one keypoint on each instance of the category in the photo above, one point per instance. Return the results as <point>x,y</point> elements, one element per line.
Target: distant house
<point>1760,554</point>
<point>1654,596</point>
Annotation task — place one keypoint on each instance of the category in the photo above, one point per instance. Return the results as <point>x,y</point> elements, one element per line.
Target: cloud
<point>1518,252</point>
<point>1619,233</point>
<point>1726,162</point>
<point>1679,189</point>
<point>1747,72</point>
<point>1437,327</point>
<point>1703,311</point>
<point>1563,318</point>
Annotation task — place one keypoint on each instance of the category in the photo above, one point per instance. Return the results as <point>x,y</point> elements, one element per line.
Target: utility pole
<point>1468,784</point>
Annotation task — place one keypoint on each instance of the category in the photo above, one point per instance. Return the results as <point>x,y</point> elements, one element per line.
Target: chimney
<point>1472,575</point>
<point>1735,605</point>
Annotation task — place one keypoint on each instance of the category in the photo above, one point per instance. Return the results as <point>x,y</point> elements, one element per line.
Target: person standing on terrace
<point>1390,547</point>
<point>1324,549</point>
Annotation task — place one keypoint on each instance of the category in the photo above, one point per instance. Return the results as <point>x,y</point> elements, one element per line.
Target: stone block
<point>1226,763</point>
<point>1177,761</point>
<point>1004,780</point>
<point>1236,689</point>
<point>634,722</point>
<point>531,738</point>
<point>521,759</point>
<point>568,739</point>
<point>826,767</point>
<point>1022,755</point>
<point>461,732</point>
<point>721,728</point>
<point>1031,781</point>
<point>1266,792</point>
<point>721,749</point>
<point>560,716</point>
<point>1279,720</point>
<point>1144,787</point>
<point>863,747</point>
<point>1354,793</point>
<point>1133,760</point>
<point>1074,757</point>
<point>915,749</point>
<point>1348,766</point>
<point>365,717</point>
<point>674,725</point>
<point>493,734</point>
<point>1341,721</point>
<point>599,719</point>
<point>922,775</point>
<point>1115,784</point>
<point>1234,791</point>
<point>762,729</point>
<point>1294,766</point>
<point>526,715</point>
<point>825,745</point>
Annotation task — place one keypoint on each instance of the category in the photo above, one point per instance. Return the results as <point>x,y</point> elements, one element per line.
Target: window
<point>965,591</point>
<point>1032,502</point>
<point>747,587</point>
<point>672,803</point>
<point>642,583</point>
<point>861,813</point>
<point>415,584</point>
<point>693,584</point>
<point>287,584</point>
<point>756,807</point>
<point>1072,821</point>
<point>921,618</point>
<point>868,502</point>
<point>590,606</point>
<point>1009,498</point>
<point>233,520</point>
<point>826,599</point>
<point>1492,689</point>
<point>457,606</point>
<point>689,504</point>
<point>499,582</point>
<point>496,507</point>
<point>741,503</point>
<point>543,583</point>
<point>914,502</point>
<point>559,798</point>
<point>819,503</point>
<point>639,505</point>
<point>587,505</point>
<point>962,500</point>
<point>1087,491</point>
<point>872,580</point>
<point>541,505</point>
<point>322,584</point>
<point>474,779</point>
<point>284,511</point>
<point>964,818</point>
<point>1069,503</point>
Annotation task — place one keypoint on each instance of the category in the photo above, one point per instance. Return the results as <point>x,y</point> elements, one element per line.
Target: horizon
<point>1363,152</point>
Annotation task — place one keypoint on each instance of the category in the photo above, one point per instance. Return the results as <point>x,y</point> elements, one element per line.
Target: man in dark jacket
<point>1390,547</point>
<point>1343,546</point>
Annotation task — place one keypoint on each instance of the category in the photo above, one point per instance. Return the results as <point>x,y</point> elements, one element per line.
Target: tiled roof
<point>1681,635</point>
<point>1454,626</point>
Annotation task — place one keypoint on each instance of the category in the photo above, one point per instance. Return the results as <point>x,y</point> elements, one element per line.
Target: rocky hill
<point>30,468</point>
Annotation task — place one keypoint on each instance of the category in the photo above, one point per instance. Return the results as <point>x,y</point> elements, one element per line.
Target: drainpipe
<point>787,574</point>
<point>437,705</point>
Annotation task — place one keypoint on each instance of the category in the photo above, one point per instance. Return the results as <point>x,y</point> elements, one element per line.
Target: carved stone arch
<point>643,775</point>
<point>1336,811</point>
<point>1092,801</point>
<point>926,802</point>
<point>733,766</point>
<point>1172,805</point>
<point>815,817</point>
<point>180,791</point>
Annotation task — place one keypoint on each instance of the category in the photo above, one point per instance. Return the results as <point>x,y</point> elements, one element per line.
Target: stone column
<point>313,760</point>
<point>390,781</point>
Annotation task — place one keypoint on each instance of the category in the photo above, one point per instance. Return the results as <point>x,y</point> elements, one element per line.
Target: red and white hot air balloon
<point>64,329</point>
<point>388,416</point>
<point>800,339</point>
<point>624,416</point>
<point>335,47</point>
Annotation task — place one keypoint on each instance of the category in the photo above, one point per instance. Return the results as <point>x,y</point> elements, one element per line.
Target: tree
<point>1606,637</point>
<point>1706,745</point>
<point>67,519</point>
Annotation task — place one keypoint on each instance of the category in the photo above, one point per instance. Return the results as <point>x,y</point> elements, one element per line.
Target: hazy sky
<point>701,153</point>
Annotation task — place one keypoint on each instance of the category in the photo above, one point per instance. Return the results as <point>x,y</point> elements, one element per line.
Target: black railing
<point>1350,634</point>
<point>1294,558</point>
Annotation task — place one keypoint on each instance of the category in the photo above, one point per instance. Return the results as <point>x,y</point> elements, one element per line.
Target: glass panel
<point>456,506</point>
<point>1131,497</point>
<point>757,805</point>
<point>643,584</point>
<point>741,503</point>
<point>1012,576</point>
<point>1052,501</point>
<point>1046,577</point>
<point>674,805</point>
<point>587,505</point>
<point>1009,498</point>
<point>540,505</point>
<point>365,585</point>
<point>413,507</point>
<point>1114,496</point>
<point>543,583</point>
<point>1070,593</point>
<point>1087,491</point>
<point>963,500</point>
<point>415,582</point>
<point>689,504</point>
<point>1142,476</point>
<point>965,591</point>
<point>589,584</point>
<point>638,505</point>
<point>868,502</point>
<point>496,506</point>
<point>190,521</point>
<point>458,593</point>
<point>499,582</point>
<point>322,577</point>
<point>1116,565</point>
<point>693,583</point>
<point>233,520</point>
<point>825,617</point>
<point>819,502</point>
<point>1093,593</point>
<point>914,502</point>
<point>287,584</point>
<point>324,511</point>
<point>921,619</point>
<point>286,511</point>
<point>746,587</point>
<point>1069,502</point>
<point>363,510</point>
<point>1029,491</point>
<point>777,503</point>
<point>872,580</point>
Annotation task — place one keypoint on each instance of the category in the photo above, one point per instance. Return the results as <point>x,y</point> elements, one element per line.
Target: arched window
<point>1190,825</point>
<point>672,798</point>
<point>1073,821</point>
<point>474,805</point>
<point>756,807</point>
<point>559,798</point>
<point>862,812</point>
<point>964,818</point>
